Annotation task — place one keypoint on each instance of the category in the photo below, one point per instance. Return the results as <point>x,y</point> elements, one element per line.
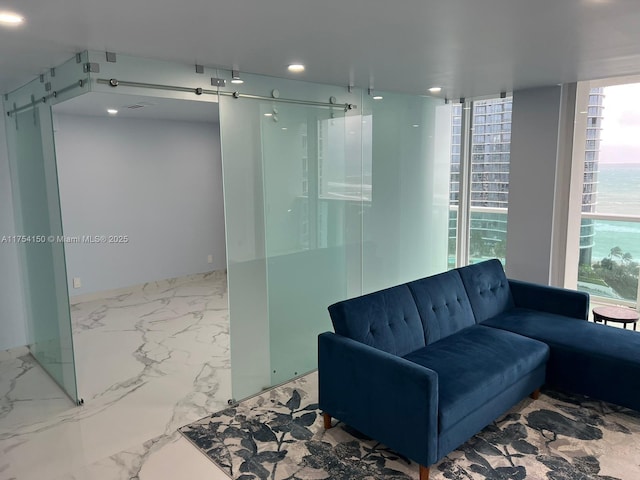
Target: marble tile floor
<point>149,360</point>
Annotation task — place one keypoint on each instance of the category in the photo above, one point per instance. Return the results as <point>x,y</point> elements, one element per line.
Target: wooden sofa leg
<point>424,472</point>
<point>327,421</point>
<point>535,394</point>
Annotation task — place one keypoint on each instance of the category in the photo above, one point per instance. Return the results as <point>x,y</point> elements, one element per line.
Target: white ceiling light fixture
<point>296,68</point>
<point>112,111</point>
<point>373,95</point>
<point>235,77</point>
<point>11,19</point>
<point>435,89</point>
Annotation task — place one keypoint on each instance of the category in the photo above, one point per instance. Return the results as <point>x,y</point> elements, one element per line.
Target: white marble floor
<point>149,360</point>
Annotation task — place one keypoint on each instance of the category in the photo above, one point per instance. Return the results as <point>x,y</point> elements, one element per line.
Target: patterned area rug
<point>279,435</point>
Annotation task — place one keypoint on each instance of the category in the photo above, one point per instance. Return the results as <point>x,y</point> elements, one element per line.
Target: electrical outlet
<point>209,258</point>
<point>77,283</point>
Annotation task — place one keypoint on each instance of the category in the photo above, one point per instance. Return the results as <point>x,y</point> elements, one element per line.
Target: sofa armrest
<point>384,396</point>
<point>560,301</point>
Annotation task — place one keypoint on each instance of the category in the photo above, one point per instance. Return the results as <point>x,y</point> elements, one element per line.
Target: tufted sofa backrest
<point>387,320</point>
<point>402,319</point>
<point>488,289</point>
<point>443,305</point>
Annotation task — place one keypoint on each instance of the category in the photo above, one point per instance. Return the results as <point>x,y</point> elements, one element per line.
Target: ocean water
<point>619,189</point>
<point>619,193</point>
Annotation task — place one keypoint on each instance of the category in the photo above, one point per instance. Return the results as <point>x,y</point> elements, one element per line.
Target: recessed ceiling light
<point>377,97</point>
<point>112,111</point>
<point>415,125</point>
<point>435,89</point>
<point>237,80</point>
<point>296,68</point>
<point>268,114</point>
<point>11,18</point>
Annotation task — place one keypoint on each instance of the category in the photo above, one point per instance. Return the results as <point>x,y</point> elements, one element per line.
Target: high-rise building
<point>591,158</point>
<point>490,158</point>
<point>490,150</point>
<point>489,190</point>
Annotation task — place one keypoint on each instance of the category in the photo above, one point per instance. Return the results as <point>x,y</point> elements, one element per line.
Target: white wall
<point>158,182</point>
<point>12,318</point>
<point>534,158</point>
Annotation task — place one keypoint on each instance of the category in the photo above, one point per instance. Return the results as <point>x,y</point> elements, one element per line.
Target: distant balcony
<point>610,257</point>
<point>487,236</point>
<point>609,251</point>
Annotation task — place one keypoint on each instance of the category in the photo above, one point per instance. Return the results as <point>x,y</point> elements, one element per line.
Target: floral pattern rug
<point>279,435</point>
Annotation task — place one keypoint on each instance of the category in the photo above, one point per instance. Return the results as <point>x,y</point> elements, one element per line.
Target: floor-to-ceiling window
<point>479,184</point>
<point>610,222</point>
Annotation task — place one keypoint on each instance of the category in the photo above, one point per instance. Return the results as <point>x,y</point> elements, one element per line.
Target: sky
<point>621,124</point>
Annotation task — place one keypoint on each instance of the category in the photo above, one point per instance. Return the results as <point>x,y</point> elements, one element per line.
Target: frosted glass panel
<point>312,197</point>
<point>37,206</point>
<point>406,222</point>
<point>241,139</point>
<point>293,204</point>
<point>323,205</point>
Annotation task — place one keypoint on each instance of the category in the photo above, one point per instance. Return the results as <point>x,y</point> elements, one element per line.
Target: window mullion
<point>464,203</point>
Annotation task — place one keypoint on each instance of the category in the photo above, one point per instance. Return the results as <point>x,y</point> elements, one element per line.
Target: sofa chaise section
<point>586,358</point>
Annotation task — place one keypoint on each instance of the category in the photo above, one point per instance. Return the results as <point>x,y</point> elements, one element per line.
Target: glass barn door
<point>293,210</point>
<point>311,200</point>
<point>39,228</point>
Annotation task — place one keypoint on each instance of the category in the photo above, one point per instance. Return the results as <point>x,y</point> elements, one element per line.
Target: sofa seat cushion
<point>588,358</point>
<point>475,365</point>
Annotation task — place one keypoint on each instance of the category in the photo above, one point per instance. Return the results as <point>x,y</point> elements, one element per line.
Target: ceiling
<point>95,104</point>
<point>469,47</point>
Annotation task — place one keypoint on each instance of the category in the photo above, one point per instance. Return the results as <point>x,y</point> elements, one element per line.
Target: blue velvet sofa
<point>422,367</point>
